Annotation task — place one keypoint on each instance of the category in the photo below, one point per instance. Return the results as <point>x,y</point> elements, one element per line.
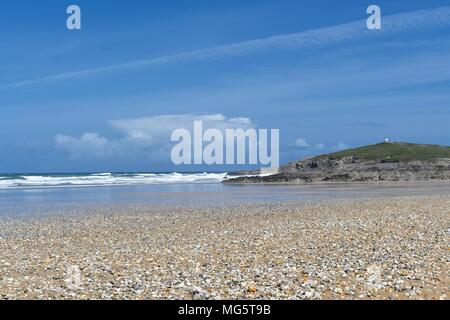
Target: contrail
<point>356,30</point>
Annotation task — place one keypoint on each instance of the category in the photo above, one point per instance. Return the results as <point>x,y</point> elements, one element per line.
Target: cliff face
<point>359,168</point>
<point>351,169</point>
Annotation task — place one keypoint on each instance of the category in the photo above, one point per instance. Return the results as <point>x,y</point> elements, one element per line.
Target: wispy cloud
<point>356,30</point>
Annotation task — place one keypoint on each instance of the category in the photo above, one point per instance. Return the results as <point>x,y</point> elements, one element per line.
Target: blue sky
<point>72,101</point>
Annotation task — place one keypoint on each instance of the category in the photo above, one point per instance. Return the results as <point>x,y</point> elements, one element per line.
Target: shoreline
<point>337,183</point>
<point>42,202</point>
<point>343,183</point>
<point>381,248</point>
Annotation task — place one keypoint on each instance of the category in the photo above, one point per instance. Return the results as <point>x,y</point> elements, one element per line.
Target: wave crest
<point>107,179</point>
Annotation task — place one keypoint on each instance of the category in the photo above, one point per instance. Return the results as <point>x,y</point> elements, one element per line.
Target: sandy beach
<point>383,248</point>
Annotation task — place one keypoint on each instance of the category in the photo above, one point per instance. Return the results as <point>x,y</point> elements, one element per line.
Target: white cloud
<point>301,143</point>
<point>89,144</point>
<point>408,21</point>
<point>147,137</point>
<point>157,128</point>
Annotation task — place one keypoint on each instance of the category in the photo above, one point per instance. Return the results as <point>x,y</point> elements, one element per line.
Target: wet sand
<point>51,200</point>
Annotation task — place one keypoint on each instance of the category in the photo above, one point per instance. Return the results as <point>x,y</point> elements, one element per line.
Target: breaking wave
<point>106,179</point>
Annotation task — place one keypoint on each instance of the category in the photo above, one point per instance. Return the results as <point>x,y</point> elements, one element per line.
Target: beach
<point>378,248</point>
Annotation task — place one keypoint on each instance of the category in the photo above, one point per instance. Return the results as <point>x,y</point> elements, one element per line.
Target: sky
<point>105,98</point>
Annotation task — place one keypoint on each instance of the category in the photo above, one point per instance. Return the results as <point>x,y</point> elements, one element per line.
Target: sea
<point>49,193</point>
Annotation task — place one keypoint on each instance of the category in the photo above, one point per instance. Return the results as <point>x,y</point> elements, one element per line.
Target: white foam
<point>108,179</point>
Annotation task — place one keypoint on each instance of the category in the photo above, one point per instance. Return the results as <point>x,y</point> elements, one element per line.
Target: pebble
<point>347,249</point>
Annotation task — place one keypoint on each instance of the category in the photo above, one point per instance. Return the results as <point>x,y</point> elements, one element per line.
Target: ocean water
<point>41,194</point>
<point>22,181</point>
